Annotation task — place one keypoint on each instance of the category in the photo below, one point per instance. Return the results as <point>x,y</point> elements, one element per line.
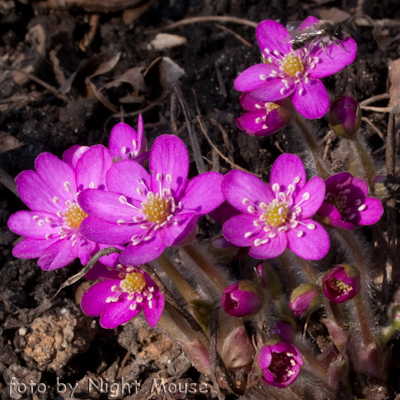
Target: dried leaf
<point>394,79</point>
<point>37,37</point>
<point>8,142</point>
<point>170,72</point>
<point>56,68</point>
<point>133,14</point>
<point>94,93</point>
<point>132,76</point>
<point>166,41</point>
<point>104,67</point>
<point>334,14</point>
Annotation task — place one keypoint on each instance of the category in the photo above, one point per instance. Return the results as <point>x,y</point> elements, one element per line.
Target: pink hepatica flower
<point>52,229</point>
<point>346,203</point>
<point>150,211</point>
<point>279,364</point>
<point>262,119</point>
<point>294,74</point>
<point>273,220</point>
<point>124,292</point>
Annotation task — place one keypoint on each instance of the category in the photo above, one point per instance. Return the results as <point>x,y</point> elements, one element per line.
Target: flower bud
<point>396,317</point>
<point>222,250</point>
<point>279,364</point>
<point>305,299</point>
<point>344,116</point>
<point>242,299</point>
<point>341,283</point>
<point>285,331</point>
<point>269,279</point>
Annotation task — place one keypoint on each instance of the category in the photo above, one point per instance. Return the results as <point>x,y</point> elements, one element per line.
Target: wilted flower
<point>123,293</point>
<point>294,74</point>
<point>344,116</point>
<point>150,211</point>
<point>262,119</point>
<point>52,230</point>
<point>341,283</point>
<point>242,299</point>
<point>273,220</point>
<point>346,203</point>
<point>279,364</point>
<point>305,299</point>
<point>285,331</point>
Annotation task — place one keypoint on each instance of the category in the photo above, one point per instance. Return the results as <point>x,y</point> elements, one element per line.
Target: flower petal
<point>273,90</point>
<point>236,228</point>
<point>169,159</point>
<point>311,100</point>
<point>31,248</point>
<point>335,60</point>
<point>73,154</point>
<point>273,248</point>
<point>124,140</point>
<point>287,169</point>
<point>33,224</point>
<point>253,124</point>
<point>143,252</point>
<point>371,214</point>
<point>83,248</point>
<point>203,194</point>
<point>314,190</point>
<point>238,186</point>
<point>253,77</point>
<point>104,232</point>
<point>56,256</point>
<point>342,179</point>
<point>112,259</point>
<point>358,189</point>
<point>270,35</point>
<point>92,167</point>
<point>308,23</point>
<point>153,313</point>
<point>118,313</point>
<point>94,300</point>
<point>313,244</point>
<point>175,232</point>
<point>101,271</point>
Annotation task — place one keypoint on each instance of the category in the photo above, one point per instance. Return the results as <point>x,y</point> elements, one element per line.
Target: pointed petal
<point>175,232</point>
<point>235,229</point>
<point>73,154</point>
<point>311,100</point>
<point>118,313</point>
<point>170,159</point>
<point>313,244</point>
<point>124,140</point>
<point>315,190</point>
<point>273,90</point>
<point>141,158</point>
<point>56,256</point>
<point>273,248</point>
<point>124,177</point>
<point>143,252</point>
<point>270,35</point>
<point>101,271</point>
<point>335,60</point>
<point>93,301</point>
<point>343,179</point>
<point>287,169</point>
<point>104,232</point>
<point>153,313</point>
<point>238,186</point>
<point>203,193</point>
<point>92,167</point>
<point>31,248</point>
<point>253,124</point>
<point>253,77</point>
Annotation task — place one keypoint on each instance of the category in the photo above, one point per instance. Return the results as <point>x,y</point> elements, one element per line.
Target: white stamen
<point>306,196</point>
<point>299,233</point>
<point>362,207</point>
<point>311,226</point>
<point>247,234</point>
<point>263,77</point>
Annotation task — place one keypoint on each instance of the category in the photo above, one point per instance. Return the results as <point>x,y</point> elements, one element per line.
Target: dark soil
<point>54,342</point>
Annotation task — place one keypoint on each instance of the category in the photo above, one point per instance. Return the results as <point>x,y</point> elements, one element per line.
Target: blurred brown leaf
<point>8,142</point>
<point>334,14</point>
<point>132,76</point>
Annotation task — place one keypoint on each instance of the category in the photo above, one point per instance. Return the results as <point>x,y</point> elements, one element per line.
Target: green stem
<point>387,333</point>
<point>206,267</point>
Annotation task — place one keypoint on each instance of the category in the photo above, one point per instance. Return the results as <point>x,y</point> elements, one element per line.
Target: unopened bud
<point>305,299</point>
<point>344,116</point>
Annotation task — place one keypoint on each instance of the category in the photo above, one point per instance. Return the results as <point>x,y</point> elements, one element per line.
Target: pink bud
<point>285,331</point>
<point>305,299</point>
<point>344,116</point>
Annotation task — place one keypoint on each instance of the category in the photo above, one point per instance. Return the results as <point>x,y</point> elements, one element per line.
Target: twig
<point>37,80</point>
<point>213,18</point>
<point>75,278</point>
<point>201,168</point>
<point>243,40</point>
<point>328,143</point>
<point>372,99</point>
<point>221,83</point>
<point>174,112</point>
<point>203,129</point>
<point>228,144</point>
<point>213,352</point>
<point>8,182</point>
<point>376,109</point>
<point>123,362</point>
<point>89,36</point>
<point>365,119</point>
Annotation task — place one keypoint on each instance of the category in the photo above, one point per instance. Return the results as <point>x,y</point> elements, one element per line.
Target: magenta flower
<point>273,220</point>
<point>124,292</point>
<point>346,203</point>
<point>52,229</point>
<point>150,211</point>
<point>341,283</point>
<point>280,364</point>
<point>344,116</point>
<point>262,119</point>
<point>294,74</point>
<point>305,299</point>
<point>242,299</point>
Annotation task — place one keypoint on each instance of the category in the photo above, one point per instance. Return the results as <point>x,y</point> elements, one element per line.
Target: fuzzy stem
<point>314,147</point>
<point>206,267</point>
<point>360,162</point>
<point>290,278</point>
<point>179,281</point>
<point>387,333</point>
<point>309,271</point>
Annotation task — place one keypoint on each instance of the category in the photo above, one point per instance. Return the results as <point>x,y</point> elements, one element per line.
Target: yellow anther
<point>271,106</point>
<point>292,64</point>
<point>156,210</point>
<point>74,216</point>
<point>133,283</point>
<point>276,214</point>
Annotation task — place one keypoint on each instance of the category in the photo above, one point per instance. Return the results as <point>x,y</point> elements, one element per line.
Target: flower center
<point>339,286</point>
<point>292,64</point>
<point>338,200</point>
<point>133,283</point>
<point>74,216</point>
<point>156,210</point>
<point>276,214</point>
<point>281,366</point>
